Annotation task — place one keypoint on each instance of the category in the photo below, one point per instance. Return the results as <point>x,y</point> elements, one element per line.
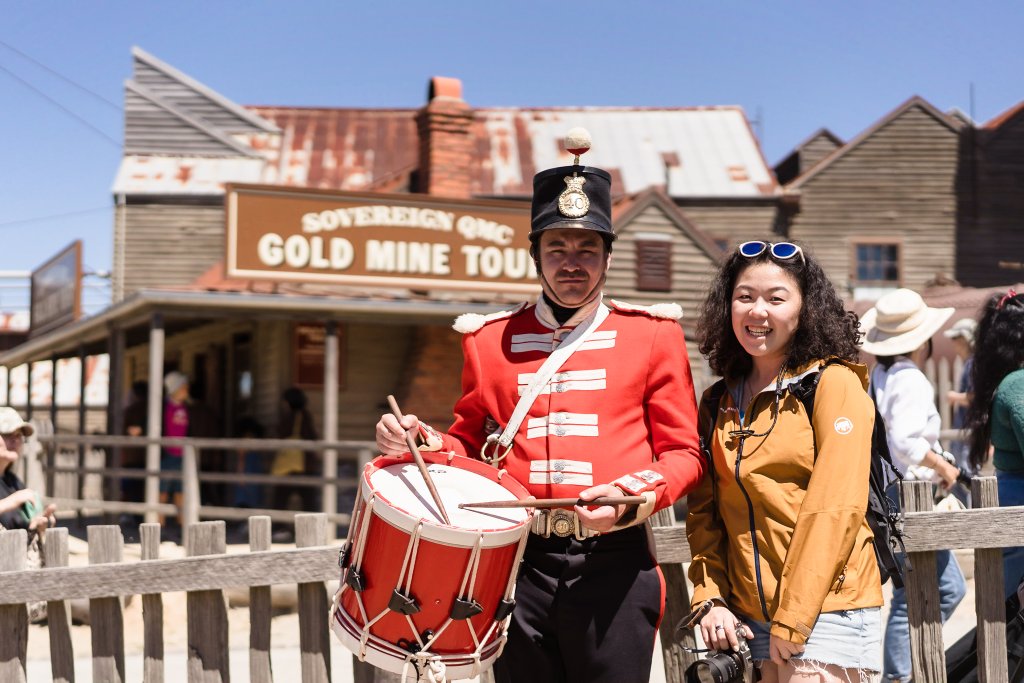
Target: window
<point>877,269</point>
<point>654,264</point>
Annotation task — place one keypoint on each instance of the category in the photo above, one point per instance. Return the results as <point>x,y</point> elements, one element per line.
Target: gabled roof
<point>695,152</point>
<point>915,101</point>
<point>628,210</point>
<point>145,61</point>
<point>999,119</point>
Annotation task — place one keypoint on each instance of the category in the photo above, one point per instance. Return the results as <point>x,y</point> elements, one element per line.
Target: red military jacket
<point>620,410</point>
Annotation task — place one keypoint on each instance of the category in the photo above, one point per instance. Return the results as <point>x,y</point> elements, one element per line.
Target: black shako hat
<point>572,196</point>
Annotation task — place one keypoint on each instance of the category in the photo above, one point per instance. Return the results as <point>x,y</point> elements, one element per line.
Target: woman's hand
<point>781,650</point>
<point>719,627</point>
<point>391,434</point>
<point>603,517</point>
<point>44,521</point>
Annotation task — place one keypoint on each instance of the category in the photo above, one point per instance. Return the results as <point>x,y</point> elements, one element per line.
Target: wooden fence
<point>206,572</point>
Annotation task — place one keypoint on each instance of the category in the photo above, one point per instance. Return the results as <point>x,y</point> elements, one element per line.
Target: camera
<point>725,666</point>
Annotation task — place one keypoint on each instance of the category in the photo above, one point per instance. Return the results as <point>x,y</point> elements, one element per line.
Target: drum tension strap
<point>464,609</point>
<point>354,580</point>
<point>504,609</point>
<point>402,603</point>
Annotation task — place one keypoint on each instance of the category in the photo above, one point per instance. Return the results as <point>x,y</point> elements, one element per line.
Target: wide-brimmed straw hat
<point>900,322</point>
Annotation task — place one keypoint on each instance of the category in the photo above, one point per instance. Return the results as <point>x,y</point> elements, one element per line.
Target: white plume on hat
<point>900,322</point>
<point>11,422</point>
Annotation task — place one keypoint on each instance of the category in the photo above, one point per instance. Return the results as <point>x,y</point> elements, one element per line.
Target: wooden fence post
<point>677,605</point>
<point>207,611</point>
<point>922,590</point>
<point>988,594</point>
<point>152,612</point>
<point>13,618</point>
<point>259,609</point>
<point>58,616</point>
<point>106,545</point>
<point>189,490</point>
<point>314,636</point>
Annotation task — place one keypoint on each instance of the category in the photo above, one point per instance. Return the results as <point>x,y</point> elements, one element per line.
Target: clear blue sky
<point>799,65</point>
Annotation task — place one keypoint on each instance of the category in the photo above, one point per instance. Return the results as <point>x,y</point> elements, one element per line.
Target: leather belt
<point>561,523</point>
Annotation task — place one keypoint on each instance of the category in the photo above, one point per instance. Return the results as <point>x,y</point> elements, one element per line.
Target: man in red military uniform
<point>609,411</point>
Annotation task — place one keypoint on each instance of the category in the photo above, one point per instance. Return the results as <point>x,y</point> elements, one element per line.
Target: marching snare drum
<point>418,594</point>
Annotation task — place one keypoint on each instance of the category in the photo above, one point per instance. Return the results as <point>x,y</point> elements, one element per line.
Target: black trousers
<point>586,611</point>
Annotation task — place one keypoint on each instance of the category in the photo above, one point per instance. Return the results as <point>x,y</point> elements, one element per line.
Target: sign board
<point>414,241</point>
<point>308,354</point>
<point>56,297</point>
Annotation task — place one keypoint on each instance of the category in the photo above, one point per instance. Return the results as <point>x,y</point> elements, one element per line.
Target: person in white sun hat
<point>898,331</point>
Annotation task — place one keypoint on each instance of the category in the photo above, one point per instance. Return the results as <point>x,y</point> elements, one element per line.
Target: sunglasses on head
<point>782,251</point>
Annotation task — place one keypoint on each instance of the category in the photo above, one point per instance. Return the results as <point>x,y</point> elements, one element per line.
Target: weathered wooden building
<point>990,210</point>
<point>880,211</point>
<point>683,178</point>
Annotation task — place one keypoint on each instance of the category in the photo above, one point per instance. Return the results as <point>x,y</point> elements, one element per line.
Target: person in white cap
<point>20,507</point>
<point>898,332</point>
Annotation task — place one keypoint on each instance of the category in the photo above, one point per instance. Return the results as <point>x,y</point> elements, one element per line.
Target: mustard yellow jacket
<point>788,538</point>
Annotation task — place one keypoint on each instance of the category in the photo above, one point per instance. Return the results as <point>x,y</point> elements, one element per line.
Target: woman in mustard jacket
<point>778,534</point>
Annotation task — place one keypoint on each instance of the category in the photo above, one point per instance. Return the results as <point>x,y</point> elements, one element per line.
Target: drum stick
<point>557,502</point>
<point>419,462</point>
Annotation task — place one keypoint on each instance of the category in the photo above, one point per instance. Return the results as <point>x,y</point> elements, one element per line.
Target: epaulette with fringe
<point>471,322</point>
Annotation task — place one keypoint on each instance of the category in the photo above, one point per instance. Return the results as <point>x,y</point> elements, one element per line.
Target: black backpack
<point>884,519</point>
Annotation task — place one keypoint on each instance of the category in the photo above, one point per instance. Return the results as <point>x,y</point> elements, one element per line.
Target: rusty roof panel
<point>691,152</point>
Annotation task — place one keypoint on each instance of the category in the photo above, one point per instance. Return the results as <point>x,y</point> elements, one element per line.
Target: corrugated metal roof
<point>701,152</point>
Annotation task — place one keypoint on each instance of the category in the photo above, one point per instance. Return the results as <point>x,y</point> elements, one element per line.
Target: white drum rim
<point>436,532</point>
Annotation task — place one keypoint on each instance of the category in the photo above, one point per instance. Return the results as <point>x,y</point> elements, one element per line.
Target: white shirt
<point>906,401</point>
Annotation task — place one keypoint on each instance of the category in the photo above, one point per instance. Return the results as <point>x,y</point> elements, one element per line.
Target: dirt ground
<point>284,625</point>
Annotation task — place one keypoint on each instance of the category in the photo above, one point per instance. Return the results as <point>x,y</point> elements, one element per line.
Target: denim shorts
<point>849,639</point>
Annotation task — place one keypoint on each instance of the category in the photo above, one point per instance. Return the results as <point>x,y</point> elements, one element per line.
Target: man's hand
<point>603,517</point>
<point>391,434</point>
<point>781,650</point>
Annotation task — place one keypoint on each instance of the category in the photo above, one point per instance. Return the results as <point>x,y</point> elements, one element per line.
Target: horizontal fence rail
<point>208,571</point>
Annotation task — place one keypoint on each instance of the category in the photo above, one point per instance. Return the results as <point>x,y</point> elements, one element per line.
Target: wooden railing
<point>207,572</point>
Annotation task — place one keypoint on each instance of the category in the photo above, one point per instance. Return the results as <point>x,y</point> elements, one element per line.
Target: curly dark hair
<point>825,330</point>
<point>998,351</point>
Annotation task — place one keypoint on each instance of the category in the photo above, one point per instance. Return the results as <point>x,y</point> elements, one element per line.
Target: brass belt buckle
<point>562,522</point>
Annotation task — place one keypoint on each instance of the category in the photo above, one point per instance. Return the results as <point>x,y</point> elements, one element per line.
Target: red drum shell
<point>441,557</point>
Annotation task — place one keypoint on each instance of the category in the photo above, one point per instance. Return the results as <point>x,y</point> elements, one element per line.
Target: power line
<point>60,106</point>
<point>62,77</point>
<point>39,219</point>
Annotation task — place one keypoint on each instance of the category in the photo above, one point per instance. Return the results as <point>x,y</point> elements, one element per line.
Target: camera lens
<point>720,668</point>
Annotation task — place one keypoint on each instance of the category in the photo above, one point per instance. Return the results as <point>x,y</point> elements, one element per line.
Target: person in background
<point>782,550</point>
<point>995,415</point>
<point>175,424</point>
<point>249,461</point>
<point>898,331</point>
<point>961,335</point>
<point>20,507</point>
<point>136,416</point>
<point>296,423</point>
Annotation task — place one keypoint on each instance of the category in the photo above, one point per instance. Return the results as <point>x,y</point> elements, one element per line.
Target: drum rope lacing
<point>424,662</point>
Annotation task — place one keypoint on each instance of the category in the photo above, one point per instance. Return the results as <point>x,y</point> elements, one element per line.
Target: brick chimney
<point>446,142</point>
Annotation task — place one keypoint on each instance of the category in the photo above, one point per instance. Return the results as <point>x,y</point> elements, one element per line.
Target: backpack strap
<point>707,418</point>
